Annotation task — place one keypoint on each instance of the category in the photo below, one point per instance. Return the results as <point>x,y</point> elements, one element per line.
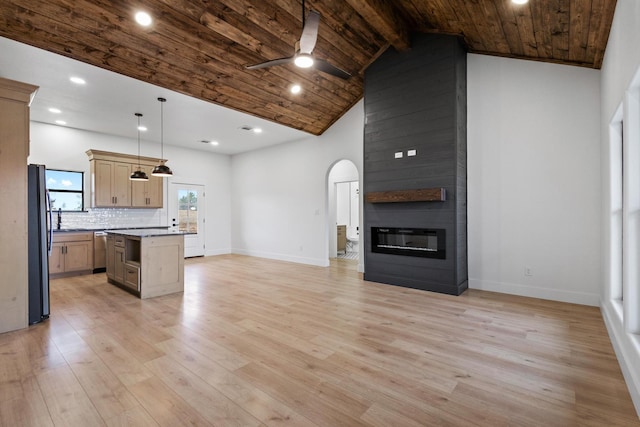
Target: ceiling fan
<point>303,49</point>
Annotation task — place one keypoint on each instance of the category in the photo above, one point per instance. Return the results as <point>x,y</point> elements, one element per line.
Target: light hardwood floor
<point>259,342</point>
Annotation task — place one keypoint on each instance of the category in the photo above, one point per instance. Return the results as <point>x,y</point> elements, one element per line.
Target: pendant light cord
<point>162,101</point>
<point>162,130</point>
<point>139,115</point>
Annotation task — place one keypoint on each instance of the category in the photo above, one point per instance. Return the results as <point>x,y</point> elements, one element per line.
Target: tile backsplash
<point>112,218</point>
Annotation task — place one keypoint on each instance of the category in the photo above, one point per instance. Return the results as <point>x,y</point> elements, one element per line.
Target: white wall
<point>621,63</point>
<point>534,179</point>
<point>60,147</point>
<point>280,194</point>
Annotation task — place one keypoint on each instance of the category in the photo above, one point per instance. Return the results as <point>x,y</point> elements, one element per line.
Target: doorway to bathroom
<point>344,210</point>
<point>347,219</point>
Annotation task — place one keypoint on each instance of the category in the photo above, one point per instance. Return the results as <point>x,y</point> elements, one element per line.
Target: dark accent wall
<point>417,100</point>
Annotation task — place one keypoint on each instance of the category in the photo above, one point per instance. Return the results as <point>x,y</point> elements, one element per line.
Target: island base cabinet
<point>161,266</point>
<point>146,266</point>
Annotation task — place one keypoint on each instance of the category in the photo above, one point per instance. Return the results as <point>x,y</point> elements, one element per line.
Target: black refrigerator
<point>39,243</point>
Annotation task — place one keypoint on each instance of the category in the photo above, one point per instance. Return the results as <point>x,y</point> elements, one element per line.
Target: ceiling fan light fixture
<point>303,60</point>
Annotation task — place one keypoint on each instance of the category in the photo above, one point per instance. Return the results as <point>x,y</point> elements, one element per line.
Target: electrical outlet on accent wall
<point>528,271</point>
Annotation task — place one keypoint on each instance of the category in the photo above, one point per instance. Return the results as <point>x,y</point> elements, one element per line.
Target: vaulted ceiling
<point>201,47</point>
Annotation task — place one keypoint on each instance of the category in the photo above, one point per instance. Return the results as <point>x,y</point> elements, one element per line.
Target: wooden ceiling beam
<point>381,15</point>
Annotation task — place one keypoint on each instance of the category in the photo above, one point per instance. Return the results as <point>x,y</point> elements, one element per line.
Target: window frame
<point>56,190</point>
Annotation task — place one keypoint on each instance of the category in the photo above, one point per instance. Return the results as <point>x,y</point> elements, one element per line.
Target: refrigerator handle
<point>49,224</point>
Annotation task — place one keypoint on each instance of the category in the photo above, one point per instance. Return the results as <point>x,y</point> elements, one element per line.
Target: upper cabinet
<point>112,188</point>
<point>146,194</point>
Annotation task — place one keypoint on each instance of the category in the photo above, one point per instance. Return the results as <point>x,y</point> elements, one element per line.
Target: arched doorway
<point>344,211</point>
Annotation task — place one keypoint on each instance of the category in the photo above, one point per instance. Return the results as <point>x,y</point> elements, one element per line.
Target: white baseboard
<point>627,348</point>
<point>215,252</point>
<point>536,292</point>
<point>283,257</point>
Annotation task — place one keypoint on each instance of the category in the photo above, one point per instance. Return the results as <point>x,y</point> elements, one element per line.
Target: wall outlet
<point>398,155</point>
<point>411,153</point>
<point>528,271</point>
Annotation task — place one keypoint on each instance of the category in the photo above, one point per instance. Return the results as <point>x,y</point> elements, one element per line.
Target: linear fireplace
<point>421,242</point>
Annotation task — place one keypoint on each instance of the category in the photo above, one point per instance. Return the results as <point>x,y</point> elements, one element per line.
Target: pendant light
<point>161,169</point>
<point>139,175</point>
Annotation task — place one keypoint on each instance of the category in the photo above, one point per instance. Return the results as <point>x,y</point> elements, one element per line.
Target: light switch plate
<point>399,155</point>
<point>411,153</point>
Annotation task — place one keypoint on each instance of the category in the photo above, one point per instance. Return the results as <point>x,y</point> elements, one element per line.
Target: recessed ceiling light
<point>206,141</point>
<point>54,110</point>
<point>142,128</point>
<point>61,122</point>
<point>295,89</point>
<point>257,130</point>
<point>77,80</point>
<point>143,18</point>
<point>520,1</point>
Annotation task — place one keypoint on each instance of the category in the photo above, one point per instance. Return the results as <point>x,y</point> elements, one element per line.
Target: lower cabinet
<point>148,265</point>
<point>132,276</point>
<point>71,254</point>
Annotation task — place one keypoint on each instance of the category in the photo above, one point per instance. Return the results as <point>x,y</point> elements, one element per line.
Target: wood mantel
<point>419,195</point>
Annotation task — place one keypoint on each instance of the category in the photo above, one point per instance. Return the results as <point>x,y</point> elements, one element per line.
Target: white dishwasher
<point>99,251</point>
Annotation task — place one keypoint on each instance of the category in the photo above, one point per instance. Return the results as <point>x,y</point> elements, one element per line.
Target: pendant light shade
<point>161,169</point>
<point>139,175</point>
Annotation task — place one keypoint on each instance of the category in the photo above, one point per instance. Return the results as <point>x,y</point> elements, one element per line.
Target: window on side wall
<point>66,189</point>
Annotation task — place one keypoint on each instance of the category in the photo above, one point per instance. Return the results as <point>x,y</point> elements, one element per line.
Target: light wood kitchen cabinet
<point>146,194</point>
<point>146,262</point>
<point>110,255</point>
<point>71,254</point>
<point>111,186</point>
<point>115,257</point>
<point>342,239</point>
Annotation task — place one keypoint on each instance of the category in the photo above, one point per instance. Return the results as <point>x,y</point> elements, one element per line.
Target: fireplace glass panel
<point>420,242</point>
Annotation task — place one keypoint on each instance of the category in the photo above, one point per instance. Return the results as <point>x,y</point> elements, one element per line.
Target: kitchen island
<point>146,262</point>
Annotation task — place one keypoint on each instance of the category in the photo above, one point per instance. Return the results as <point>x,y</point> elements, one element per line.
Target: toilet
<point>353,236</point>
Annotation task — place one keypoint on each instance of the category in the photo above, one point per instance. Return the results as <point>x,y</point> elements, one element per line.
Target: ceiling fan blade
<point>325,67</point>
<point>310,33</point>
<point>280,61</point>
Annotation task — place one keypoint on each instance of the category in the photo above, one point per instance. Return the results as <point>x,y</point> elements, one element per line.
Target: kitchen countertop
<point>92,229</point>
<point>147,232</point>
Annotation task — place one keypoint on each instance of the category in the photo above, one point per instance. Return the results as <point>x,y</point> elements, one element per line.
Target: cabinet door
<point>122,184</point>
<point>110,256</point>
<point>78,256</point>
<point>155,191</point>
<point>56,259</point>
<point>146,194</point>
<point>103,184</point>
<point>118,269</point>
<point>112,186</point>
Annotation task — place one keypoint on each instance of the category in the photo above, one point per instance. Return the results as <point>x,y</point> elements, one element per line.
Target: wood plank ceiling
<point>201,47</point>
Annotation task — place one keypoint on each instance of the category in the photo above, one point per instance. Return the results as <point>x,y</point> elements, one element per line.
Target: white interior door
<point>186,212</point>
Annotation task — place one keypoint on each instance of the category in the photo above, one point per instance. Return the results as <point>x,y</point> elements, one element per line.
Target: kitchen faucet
<point>59,218</point>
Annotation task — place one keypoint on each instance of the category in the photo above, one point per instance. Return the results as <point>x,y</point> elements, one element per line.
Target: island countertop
<point>147,232</point>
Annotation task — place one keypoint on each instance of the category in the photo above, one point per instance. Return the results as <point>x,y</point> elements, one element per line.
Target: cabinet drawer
<point>132,277</point>
<point>119,241</point>
<point>67,236</point>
